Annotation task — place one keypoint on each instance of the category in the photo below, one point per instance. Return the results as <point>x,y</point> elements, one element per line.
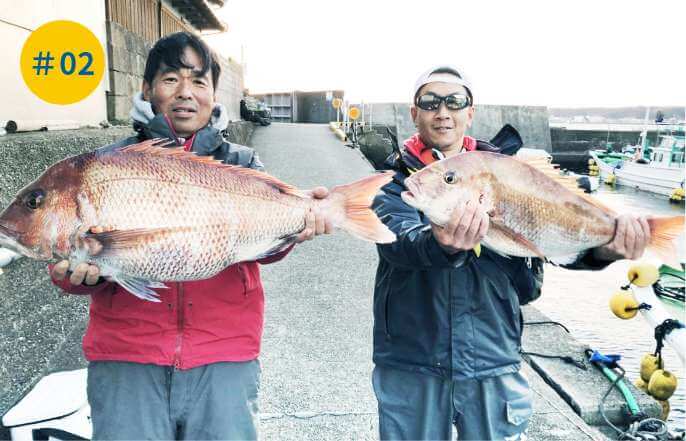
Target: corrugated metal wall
<point>140,17</point>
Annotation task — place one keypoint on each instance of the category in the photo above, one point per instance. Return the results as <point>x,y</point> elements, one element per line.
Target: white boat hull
<point>646,177</point>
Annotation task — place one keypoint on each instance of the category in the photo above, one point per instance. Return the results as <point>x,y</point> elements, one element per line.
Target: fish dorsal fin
<point>158,147</point>
<point>552,171</point>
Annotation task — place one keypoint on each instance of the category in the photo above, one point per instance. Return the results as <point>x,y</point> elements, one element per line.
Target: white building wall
<point>17,20</point>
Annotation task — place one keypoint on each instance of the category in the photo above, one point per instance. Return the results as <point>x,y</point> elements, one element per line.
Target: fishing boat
<point>657,169</point>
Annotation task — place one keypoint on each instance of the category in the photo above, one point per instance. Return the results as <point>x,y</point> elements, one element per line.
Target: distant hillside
<point>637,112</point>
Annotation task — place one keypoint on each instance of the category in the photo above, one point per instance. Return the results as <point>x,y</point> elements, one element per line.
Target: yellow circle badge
<point>62,62</point>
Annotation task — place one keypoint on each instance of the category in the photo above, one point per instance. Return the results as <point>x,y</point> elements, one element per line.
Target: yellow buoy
<point>665,409</point>
<point>354,113</point>
<point>622,304</point>
<point>662,384</point>
<point>641,385</point>
<point>649,364</point>
<point>610,179</point>
<point>336,103</point>
<point>591,161</point>
<point>643,274</point>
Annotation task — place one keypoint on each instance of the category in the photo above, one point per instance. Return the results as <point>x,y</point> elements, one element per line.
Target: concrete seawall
<point>530,121</point>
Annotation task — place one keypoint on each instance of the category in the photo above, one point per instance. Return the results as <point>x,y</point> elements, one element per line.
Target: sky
<point>556,53</point>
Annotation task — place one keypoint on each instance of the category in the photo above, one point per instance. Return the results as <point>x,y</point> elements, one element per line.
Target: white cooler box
<point>56,408</point>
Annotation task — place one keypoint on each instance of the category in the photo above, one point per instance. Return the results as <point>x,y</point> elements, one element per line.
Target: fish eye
<point>34,198</point>
<point>450,177</point>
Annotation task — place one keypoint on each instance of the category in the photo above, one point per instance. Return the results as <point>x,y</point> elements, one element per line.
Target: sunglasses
<point>431,101</point>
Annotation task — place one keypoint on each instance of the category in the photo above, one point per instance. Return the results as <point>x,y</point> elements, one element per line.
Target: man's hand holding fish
<point>465,229</point>
<point>630,241</point>
<point>315,222</point>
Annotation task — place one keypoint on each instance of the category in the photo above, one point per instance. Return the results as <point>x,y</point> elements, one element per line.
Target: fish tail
<point>358,218</point>
<point>663,231</point>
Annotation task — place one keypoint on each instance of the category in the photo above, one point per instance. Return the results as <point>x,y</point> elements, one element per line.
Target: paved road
<point>316,355</point>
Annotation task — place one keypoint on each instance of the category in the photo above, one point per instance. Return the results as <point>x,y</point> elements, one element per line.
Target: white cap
<point>444,73</point>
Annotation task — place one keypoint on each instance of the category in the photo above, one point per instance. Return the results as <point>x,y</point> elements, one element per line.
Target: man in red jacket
<point>186,367</point>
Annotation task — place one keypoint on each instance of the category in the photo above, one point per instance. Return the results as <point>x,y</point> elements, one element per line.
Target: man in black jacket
<point>446,323</point>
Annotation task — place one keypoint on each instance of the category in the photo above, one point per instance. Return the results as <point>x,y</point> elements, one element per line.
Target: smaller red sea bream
<point>534,211</point>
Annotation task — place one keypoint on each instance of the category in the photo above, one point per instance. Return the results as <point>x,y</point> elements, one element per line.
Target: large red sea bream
<point>147,214</point>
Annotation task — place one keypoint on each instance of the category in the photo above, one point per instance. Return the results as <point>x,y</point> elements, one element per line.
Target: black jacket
<point>454,316</point>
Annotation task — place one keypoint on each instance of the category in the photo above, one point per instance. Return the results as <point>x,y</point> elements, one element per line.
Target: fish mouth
<point>8,240</point>
<point>6,230</point>
<point>409,198</point>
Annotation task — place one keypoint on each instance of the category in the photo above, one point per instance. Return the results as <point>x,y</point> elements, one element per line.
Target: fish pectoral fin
<point>279,245</point>
<point>518,238</point>
<point>566,259</point>
<point>109,242</point>
<point>139,287</point>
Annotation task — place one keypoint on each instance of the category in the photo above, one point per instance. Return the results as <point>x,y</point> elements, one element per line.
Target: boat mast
<point>643,138</point>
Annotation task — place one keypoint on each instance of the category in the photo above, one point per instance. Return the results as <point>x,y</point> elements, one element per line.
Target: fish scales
<point>552,226</point>
<point>206,215</point>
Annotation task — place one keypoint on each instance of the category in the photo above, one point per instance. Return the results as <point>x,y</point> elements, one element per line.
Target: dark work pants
<point>144,401</point>
<point>415,406</point>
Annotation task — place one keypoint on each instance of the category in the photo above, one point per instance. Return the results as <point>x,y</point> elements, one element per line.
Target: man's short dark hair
<point>169,51</point>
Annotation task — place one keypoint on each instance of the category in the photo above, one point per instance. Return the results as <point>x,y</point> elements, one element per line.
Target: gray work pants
<point>415,406</point>
<point>145,401</point>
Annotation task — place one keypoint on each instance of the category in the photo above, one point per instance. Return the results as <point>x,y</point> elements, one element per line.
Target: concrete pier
<point>579,385</point>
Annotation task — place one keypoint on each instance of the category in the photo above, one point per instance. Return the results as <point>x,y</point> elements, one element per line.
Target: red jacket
<point>196,323</point>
